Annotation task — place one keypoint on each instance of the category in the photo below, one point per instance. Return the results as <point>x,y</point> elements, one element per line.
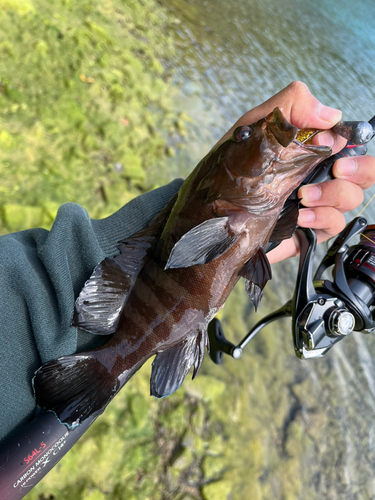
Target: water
<point>233,55</point>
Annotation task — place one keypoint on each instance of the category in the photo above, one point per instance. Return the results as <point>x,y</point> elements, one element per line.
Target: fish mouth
<point>290,137</point>
<point>283,131</point>
<point>304,137</point>
<point>297,154</point>
<point>313,149</point>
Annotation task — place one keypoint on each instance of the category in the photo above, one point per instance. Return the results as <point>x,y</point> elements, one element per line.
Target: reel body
<point>323,311</point>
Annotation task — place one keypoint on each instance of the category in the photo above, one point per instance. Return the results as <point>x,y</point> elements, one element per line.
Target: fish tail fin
<point>74,387</point>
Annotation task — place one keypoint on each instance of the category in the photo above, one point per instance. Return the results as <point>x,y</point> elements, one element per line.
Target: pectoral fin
<point>256,271</point>
<point>202,244</point>
<point>171,366</point>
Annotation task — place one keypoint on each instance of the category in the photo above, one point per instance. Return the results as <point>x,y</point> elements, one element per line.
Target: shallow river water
<point>315,419</point>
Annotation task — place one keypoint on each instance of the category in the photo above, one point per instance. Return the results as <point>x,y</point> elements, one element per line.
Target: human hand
<point>325,202</point>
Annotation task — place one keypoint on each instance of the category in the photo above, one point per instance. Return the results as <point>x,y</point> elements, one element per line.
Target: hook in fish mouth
<point>355,132</point>
<point>296,142</point>
<point>285,133</point>
<point>305,135</point>
<point>301,148</point>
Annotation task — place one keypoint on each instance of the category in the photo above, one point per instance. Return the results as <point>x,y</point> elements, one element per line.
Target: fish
<point>157,296</point>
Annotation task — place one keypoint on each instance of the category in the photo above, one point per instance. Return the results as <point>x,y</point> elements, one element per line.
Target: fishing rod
<point>323,312</point>
<point>27,457</point>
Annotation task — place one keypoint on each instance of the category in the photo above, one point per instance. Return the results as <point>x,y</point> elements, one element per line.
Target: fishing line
<point>364,236</point>
<point>367,204</point>
<point>364,208</point>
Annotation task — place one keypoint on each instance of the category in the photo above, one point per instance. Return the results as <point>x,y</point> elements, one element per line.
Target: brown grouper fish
<point>171,278</point>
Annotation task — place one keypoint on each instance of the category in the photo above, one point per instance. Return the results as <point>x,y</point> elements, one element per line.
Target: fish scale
<point>172,277</point>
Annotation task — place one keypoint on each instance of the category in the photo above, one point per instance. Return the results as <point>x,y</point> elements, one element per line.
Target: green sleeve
<point>41,275</point>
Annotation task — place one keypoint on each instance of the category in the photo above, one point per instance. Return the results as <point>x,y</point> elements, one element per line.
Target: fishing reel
<point>323,311</point>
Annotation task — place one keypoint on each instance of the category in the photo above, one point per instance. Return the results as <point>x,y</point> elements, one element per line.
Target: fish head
<point>271,147</point>
<point>261,164</point>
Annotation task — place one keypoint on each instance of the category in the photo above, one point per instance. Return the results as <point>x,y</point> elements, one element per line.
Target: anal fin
<point>171,366</point>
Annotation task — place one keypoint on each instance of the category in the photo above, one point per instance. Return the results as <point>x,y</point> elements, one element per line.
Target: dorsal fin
<point>256,271</point>
<point>99,305</point>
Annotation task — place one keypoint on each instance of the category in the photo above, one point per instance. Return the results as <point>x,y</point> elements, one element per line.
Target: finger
<point>329,138</point>
<point>308,111</point>
<point>327,222</point>
<point>299,107</point>
<point>359,170</point>
<point>340,194</point>
<point>327,226</point>
<point>286,249</point>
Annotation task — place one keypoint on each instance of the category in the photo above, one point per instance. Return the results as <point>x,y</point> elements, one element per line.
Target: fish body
<point>171,278</point>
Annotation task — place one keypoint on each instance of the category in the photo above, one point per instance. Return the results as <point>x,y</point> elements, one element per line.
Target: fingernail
<point>328,114</point>
<point>306,215</point>
<point>346,167</point>
<point>326,139</point>
<point>311,193</point>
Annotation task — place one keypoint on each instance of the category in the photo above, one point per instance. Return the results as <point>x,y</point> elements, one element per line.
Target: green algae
<point>85,99</point>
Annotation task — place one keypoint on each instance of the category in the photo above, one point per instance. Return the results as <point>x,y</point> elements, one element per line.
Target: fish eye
<point>243,133</point>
